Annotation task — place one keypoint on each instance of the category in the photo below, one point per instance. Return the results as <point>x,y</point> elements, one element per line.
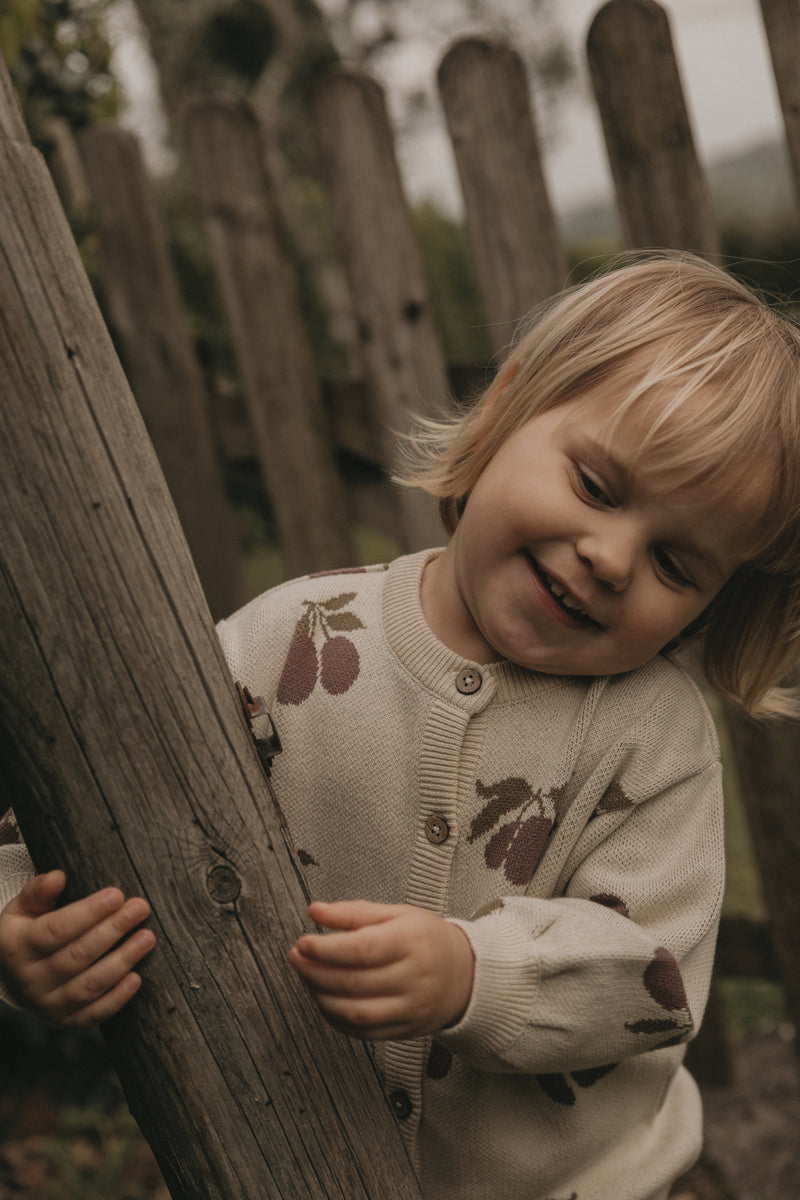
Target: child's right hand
<point>69,965</point>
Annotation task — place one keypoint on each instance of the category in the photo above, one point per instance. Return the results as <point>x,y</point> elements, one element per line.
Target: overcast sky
<point>724,62</point>
<point>723,57</point>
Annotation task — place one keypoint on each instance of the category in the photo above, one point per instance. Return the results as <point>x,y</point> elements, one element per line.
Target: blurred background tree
<point>59,55</point>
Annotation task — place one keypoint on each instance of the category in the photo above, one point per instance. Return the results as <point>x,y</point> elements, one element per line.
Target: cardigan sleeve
<point>620,961</point>
<point>16,869</point>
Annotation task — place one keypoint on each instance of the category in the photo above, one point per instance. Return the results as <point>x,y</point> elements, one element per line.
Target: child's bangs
<point>729,424</point>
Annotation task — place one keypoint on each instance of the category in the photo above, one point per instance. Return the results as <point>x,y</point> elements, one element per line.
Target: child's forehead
<point>667,443</point>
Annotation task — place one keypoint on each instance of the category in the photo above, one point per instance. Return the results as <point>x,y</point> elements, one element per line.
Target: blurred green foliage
<point>58,54</point>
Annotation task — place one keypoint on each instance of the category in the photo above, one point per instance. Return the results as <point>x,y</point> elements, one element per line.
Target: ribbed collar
<point>429,660</point>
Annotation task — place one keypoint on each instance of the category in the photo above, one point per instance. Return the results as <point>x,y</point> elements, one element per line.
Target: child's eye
<point>670,568</point>
<point>591,488</point>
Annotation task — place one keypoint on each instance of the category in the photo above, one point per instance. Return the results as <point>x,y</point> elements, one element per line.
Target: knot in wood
<point>223,884</point>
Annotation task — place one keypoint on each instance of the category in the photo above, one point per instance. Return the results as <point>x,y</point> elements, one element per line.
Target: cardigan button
<point>401,1104</point>
<point>436,829</point>
<point>469,681</point>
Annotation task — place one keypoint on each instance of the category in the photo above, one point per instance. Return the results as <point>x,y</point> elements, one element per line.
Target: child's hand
<point>393,971</point>
<point>65,964</point>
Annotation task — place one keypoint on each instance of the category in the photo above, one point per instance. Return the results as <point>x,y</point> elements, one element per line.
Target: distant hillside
<point>750,188</point>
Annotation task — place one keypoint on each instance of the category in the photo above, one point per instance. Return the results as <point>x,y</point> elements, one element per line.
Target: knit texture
<point>572,827</point>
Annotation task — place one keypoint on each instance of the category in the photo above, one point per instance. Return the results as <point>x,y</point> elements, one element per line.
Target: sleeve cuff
<point>503,990</point>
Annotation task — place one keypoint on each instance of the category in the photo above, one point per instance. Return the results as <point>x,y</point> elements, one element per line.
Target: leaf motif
<point>652,1026</point>
<point>343,621</point>
<point>589,1076</point>
<point>557,1088</point>
<point>507,795</point>
<point>337,601</point>
<point>303,627</point>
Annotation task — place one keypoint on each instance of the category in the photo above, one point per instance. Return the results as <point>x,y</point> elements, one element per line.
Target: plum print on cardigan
<point>663,982</point>
<point>517,846</point>
<point>559,1089</point>
<point>335,664</point>
<point>440,1060</point>
<point>9,833</point>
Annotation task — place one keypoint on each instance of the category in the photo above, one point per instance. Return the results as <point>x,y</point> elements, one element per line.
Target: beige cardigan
<point>571,826</point>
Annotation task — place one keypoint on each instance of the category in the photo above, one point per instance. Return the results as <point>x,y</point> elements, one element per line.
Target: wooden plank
<point>768,760</point>
<point>292,439</point>
<point>782,24</point>
<point>55,136</point>
<point>403,362</point>
<point>662,194</point>
<point>518,252</point>
<point>129,761</point>
<point>146,312</point>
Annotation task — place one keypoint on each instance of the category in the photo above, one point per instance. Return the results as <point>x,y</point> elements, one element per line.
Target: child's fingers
<point>374,1019</point>
<point>38,895</point>
<point>102,911</point>
<point>341,981</point>
<point>107,1005</point>
<point>352,914</point>
<point>366,948</point>
<point>95,943</point>
<point>86,993</point>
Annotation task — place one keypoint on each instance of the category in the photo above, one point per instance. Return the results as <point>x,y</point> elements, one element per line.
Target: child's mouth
<point>562,597</point>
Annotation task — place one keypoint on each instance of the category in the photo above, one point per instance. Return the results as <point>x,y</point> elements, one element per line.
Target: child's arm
<point>72,965</point>
<point>388,971</point>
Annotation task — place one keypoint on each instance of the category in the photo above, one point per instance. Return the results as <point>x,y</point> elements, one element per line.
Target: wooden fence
<point>324,450</point>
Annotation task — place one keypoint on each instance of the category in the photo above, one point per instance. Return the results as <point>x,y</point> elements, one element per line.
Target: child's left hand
<point>389,970</point>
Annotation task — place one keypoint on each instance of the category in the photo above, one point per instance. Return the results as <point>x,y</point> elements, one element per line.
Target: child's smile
<point>579,559</point>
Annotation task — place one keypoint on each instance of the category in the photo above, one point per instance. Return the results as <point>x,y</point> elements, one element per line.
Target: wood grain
<point>146,311</point>
<point>404,365</point>
<point>292,438</point>
<point>662,194</point>
<point>129,761</point>
<point>517,247</point>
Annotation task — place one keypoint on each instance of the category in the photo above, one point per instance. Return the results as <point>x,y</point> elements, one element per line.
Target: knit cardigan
<point>571,827</point>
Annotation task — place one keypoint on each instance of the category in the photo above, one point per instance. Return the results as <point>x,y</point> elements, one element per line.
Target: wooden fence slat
<point>66,167</point>
<point>145,309</point>
<point>518,252</point>
<point>782,24</point>
<point>768,761</point>
<point>662,194</point>
<point>292,439</point>
<point>403,362</point>
<point>129,761</point>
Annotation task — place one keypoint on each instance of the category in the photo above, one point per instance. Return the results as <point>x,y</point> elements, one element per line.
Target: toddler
<point>499,779</point>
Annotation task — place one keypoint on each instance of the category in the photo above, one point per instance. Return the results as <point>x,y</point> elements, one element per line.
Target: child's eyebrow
<point>603,455</point>
<point>625,472</point>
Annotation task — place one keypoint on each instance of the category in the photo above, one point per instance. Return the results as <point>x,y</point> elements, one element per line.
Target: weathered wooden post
<point>768,760</point>
<point>518,252</point>
<point>128,758</point>
<point>146,310</point>
<point>404,364</point>
<point>782,25</point>
<point>292,440</point>
<point>663,199</point>
<point>662,193</point>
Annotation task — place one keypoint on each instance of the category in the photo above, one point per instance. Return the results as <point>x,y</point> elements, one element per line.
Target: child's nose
<point>610,557</point>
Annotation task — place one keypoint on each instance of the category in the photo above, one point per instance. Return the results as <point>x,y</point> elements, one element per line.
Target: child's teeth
<point>561,593</point>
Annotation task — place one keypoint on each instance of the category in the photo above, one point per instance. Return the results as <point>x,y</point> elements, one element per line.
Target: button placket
<point>437,829</point>
<point>469,681</point>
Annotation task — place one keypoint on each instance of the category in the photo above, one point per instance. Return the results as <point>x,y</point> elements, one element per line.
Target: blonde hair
<point>676,320</point>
